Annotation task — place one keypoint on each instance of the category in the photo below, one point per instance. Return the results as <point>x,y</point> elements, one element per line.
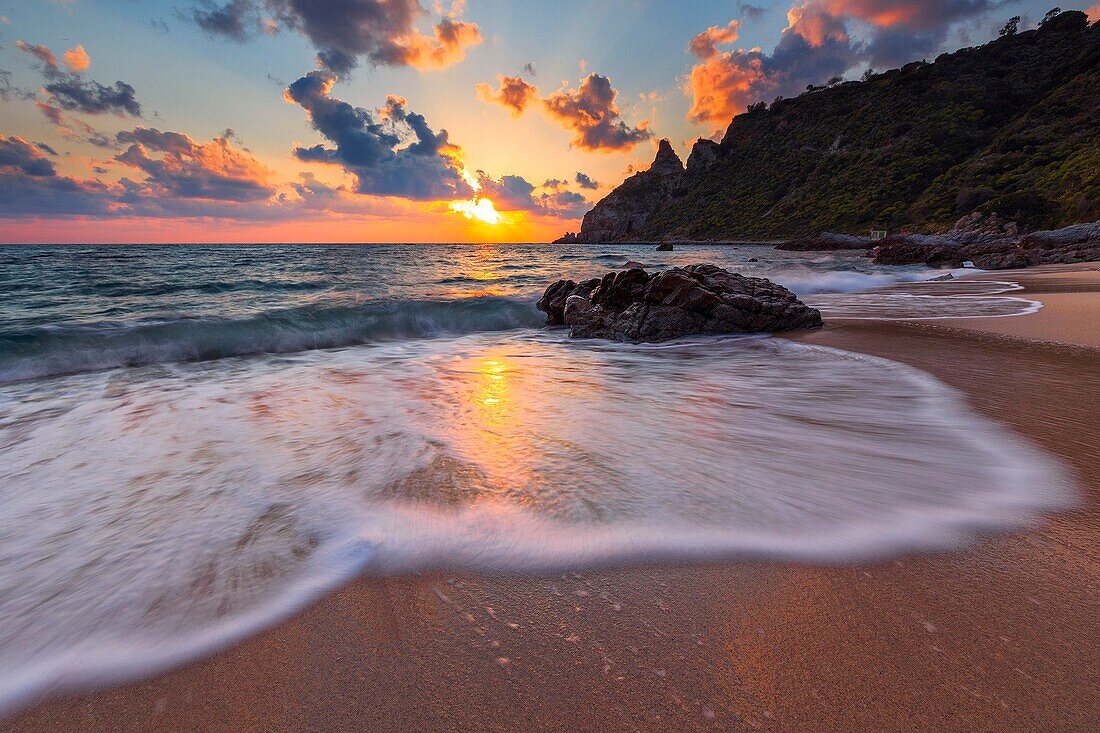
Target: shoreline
<point>992,637</point>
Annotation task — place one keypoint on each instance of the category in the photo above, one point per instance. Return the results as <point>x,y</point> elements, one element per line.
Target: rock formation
<point>624,211</point>
<point>995,250</point>
<point>636,306</point>
<point>1007,128</point>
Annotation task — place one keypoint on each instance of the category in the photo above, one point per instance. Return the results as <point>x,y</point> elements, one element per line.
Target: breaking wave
<point>178,511</point>
<point>44,351</point>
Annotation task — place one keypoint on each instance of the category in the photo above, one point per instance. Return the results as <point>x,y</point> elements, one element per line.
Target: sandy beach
<point>1003,635</point>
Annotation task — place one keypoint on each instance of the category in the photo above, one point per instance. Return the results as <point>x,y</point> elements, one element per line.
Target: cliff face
<point>1011,127</point>
<point>624,212</point>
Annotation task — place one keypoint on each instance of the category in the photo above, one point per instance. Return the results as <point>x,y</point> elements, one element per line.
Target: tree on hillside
<point>1051,15</point>
<point>1011,26</point>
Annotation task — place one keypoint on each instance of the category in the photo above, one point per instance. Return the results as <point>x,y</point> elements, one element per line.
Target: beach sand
<point>1001,636</point>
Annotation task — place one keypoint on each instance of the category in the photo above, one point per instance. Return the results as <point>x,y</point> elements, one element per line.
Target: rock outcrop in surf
<point>636,306</point>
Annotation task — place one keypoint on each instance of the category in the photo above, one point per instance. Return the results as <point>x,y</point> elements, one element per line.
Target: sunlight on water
<point>154,512</point>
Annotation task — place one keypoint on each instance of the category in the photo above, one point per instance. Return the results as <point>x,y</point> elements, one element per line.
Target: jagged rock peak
<point>703,153</point>
<point>667,161</point>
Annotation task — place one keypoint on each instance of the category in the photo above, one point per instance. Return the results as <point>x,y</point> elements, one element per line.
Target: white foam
<point>160,513</point>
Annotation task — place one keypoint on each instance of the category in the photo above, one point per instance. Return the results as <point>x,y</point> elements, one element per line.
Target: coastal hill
<point>1011,127</point>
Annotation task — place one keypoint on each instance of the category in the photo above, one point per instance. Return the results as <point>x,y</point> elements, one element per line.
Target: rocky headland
<point>1007,130</point>
<point>636,306</point>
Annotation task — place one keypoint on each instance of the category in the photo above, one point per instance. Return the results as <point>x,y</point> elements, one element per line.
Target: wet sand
<point>1001,636</point>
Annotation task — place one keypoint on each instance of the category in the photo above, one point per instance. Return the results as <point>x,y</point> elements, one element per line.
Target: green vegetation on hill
<point>1011,127</point>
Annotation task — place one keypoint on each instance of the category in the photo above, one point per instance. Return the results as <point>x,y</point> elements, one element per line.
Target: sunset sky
<point>398,120</point>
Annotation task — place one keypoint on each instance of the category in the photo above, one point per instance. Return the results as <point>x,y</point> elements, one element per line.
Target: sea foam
<point>160,512</point>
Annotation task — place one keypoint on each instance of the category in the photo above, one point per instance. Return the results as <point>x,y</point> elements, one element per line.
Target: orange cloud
<point>188,169</point>
<point>594,118</point>
<point>815,24</point>
<point>704,44</point>
<point>514,94</point>
<point>77,59</point>
<point>724,85</point>
<point>1094,13</point>
<point>448,46</point>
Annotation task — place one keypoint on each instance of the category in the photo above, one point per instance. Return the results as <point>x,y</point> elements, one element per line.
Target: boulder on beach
<point>664,247</point>
<point>636,306</point>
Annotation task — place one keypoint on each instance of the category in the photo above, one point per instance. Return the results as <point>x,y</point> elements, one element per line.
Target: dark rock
<point>630,264</point>
<point>906,252</point>
<point>1077,243</point>
<point>567,238</point>
<point>753,259</point>
<point>623,212</point>
<point>664,247</point>
<point>633,305</point>
<point>552,302</point>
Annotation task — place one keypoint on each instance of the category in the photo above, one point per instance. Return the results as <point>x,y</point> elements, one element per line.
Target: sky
<point>400,120</point>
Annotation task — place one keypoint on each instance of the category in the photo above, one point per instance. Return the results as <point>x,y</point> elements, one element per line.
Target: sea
<point>197,441</point>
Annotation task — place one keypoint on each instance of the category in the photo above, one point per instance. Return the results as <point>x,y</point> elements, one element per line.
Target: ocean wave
<point>178,512</point>
<point>45,351</point>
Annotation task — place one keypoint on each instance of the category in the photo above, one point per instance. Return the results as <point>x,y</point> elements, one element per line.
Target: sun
<point>479,209</point>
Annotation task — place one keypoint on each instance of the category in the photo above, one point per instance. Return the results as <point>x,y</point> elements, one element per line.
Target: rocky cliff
<point>1011,127</point>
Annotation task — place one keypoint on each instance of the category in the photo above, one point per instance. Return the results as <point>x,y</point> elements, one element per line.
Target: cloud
<point>187,169</point>
<point>72,93</point>
<point>594,118</point>
<point>17,154</point>
<point>77,59</point>
<point>343,31</point>
<point>367,144</point>
<point>589,111</point>
<point>585,182</point>
<point>1094,13</point>
<point>514,94</point>
<point>817,44</point>
<point>564,204</point>
<point>704,45</point>
<point>43,54</point>
<point>233,20</point>
<point>752,12</point>
<point>30,185</point>
<point>514,193</point>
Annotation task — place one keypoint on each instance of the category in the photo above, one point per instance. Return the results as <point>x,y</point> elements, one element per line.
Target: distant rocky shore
<point>636,306</point>
<point>990,243</point>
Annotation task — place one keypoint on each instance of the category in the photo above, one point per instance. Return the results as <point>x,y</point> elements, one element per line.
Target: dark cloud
<point>343,31</point>
<point>187,169</point>
<point>816,45</point>
<point>514,193</point>
<point>17,154</point>
<point>514,94</point>
<point>70,92</point>
<point>510,193</point>
<point>234,20</point>
<point>368,144</point>
<point>591,114</point>
<point>46,148</point>
<point>752,12</point>
<point>30,185</point>
<point>529,69</point>
<point>585,182</point>
<point>565,204</point>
